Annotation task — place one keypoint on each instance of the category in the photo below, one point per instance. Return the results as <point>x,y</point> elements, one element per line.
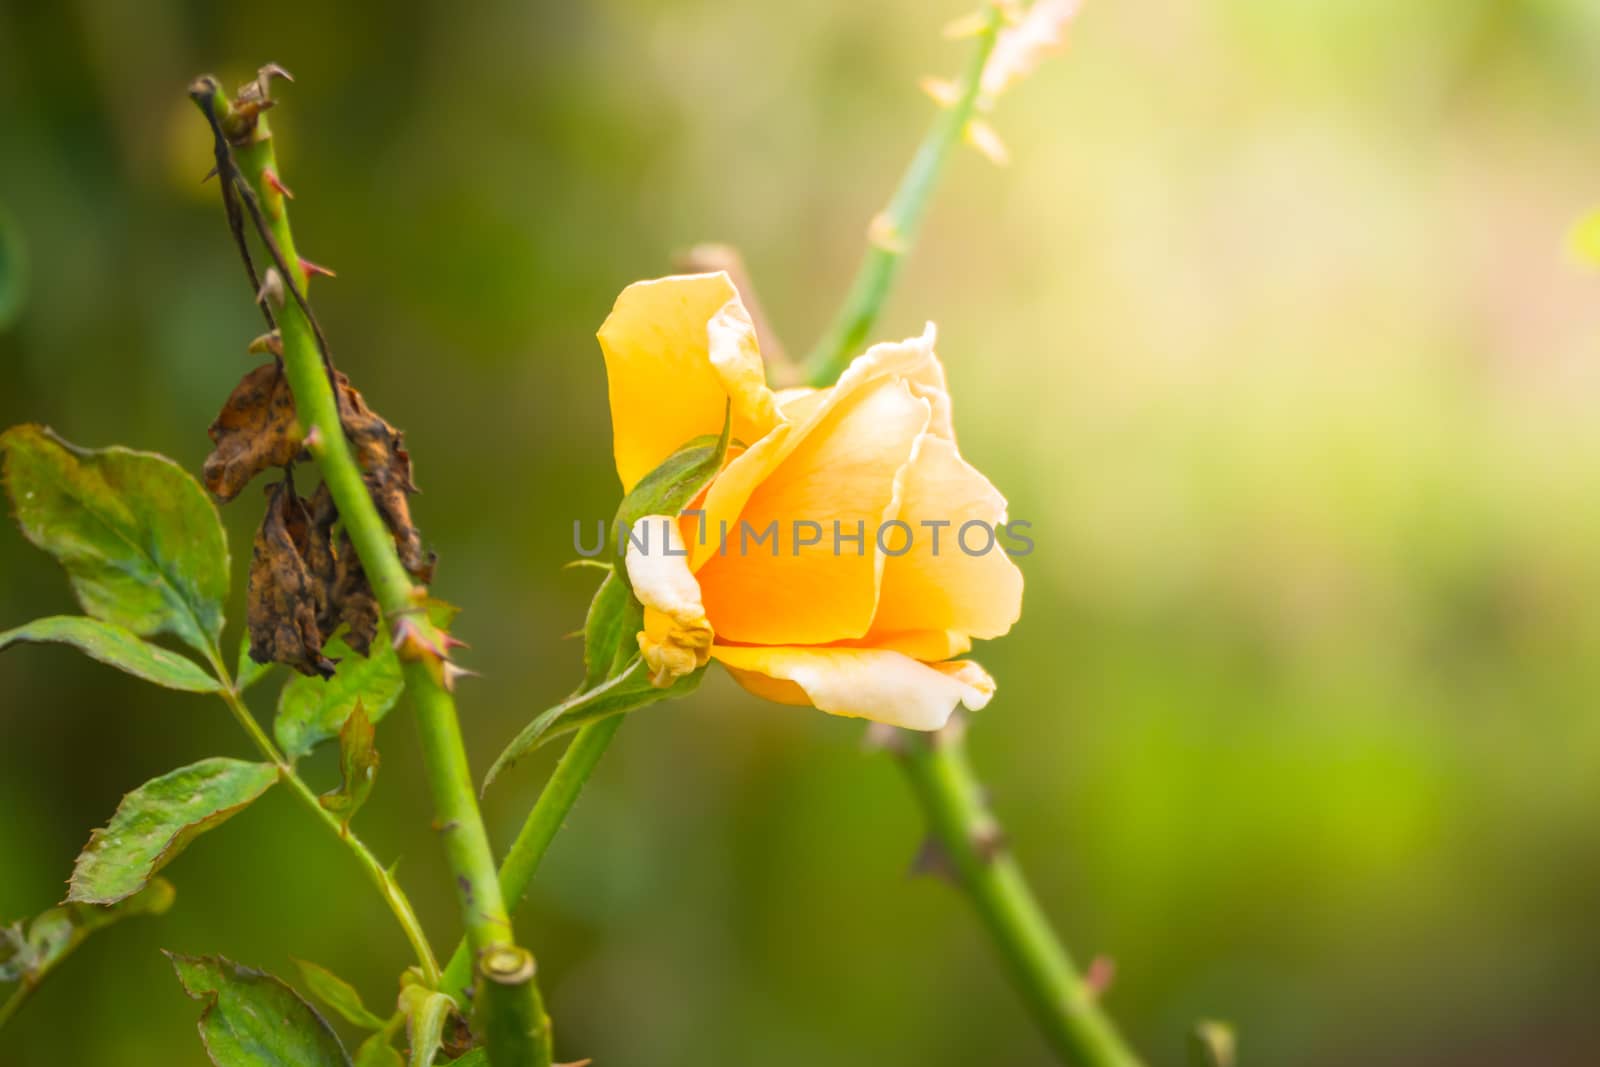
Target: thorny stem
<point>392,894</point>
<point>248,170</point>
<point>1062,1002</point>
<point>555,803</point>
<point>895,230</point>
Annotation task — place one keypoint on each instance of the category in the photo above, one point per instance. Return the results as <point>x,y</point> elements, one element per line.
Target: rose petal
<point>874,684</point>
<point>677,350</point>
<point>937,584</point>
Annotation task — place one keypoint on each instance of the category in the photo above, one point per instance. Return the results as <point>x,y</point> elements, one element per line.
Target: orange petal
<point>874,684</point>
<point>677,351</point>
<point>939,584</point>
<point>840,476</point>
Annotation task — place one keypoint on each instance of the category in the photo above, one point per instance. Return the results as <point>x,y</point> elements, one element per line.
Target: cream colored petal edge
<point>677,636</point>
<point>867,683</point>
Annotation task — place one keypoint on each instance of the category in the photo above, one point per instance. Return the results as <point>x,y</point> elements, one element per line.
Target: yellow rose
<point>854,628</point>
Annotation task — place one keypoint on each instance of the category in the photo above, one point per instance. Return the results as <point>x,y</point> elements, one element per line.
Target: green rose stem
<point>512,1011</point>
<point>393,895</point>
<point>827,361</point>
<point>894,231</point>
<point>937,768</point>
<point>555,802</point>
<point>1066,1008</point>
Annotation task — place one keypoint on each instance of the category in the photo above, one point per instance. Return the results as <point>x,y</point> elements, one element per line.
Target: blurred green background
<point>1268,330</point>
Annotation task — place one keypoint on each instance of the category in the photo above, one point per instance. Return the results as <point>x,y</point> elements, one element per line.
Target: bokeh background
<point>1268,330</point>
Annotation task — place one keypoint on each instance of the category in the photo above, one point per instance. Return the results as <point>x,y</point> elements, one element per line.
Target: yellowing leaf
<point>116,647</point>
<point>139,539</point>
<point>52,936</point>
<point>156,822</point>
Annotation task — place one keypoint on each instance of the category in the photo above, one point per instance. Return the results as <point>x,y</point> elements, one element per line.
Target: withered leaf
<point>282,599</point>
<point>385,463</point>
<point>255,430</point>
<point>304,584</point>
<point>343,593</point>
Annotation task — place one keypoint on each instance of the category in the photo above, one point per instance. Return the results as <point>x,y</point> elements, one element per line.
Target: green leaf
<point>358,761</point>
<point>247,672</point>
<point>311,710</point>
<point>628,691</point>
<point>1583,240</point>
<point>669,488</point>
<point>375,1052</point>
<point>116,647</point>
<point>427,1011</point>
<point>156,822</point>
<point>614,619</point>
<point>1213,1044</point>
<point>337,994</point>
<point>252,1019</point>
<point>140,540</point>
<point>53,935</point>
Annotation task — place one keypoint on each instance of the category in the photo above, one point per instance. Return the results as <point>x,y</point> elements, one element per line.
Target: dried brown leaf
<point>386,465</point>
<point>305,582</point>
<point>282,598</point>
<point>255,430</point>
<point>343,593</point>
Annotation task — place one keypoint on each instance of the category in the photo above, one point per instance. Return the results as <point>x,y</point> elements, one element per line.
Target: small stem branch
<point>895,230</point>
<point>1062,1003</point>
<point>247,168</point>
<point>705,258</point>
<point>555,802</point>
<point>387,887</point>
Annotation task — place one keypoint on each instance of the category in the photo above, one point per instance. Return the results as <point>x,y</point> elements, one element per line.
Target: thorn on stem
<point>932,860</point>
<point>1101,973</point>
<point>270,176</point>
<point>272,289</point>
<point>453,673</point>
<point>309,268</point>
<point>881,737</point>
<point>988,841</point>
<point>269,343</point>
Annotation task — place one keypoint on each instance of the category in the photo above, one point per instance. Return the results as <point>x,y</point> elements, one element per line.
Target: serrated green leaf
<point>337,994</point>
<point>427,1011</point>
<point>252,1019</point>
<point>669,488</point>
<point>247,672</point>
<point>156,822</point>
<point>628,691</point>
<point>54,934</point>
<point>140,540</point>
<point>478,1057</point>
<point>311,710</point>
<point>358,763</point>
<point>1583,240</point>
<point>116,647</point>
<point>375,1052</point>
